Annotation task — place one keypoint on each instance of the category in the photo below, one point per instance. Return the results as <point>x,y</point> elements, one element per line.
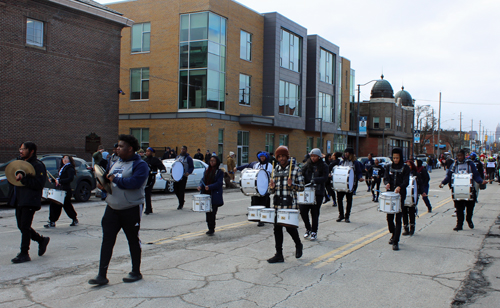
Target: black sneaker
<point>327,199</point>
<point>334,204</point>
<point>395,246</point>
<point>457,228</point>
<point>340,219</point>
<point>471,224</point>
<point>132,277</point>
<point>210,232</point>
<point>74,223</point>
<point>50,225</point>
<point>21,258</point>
<point>298,250</point>
<point>42,246</point>
<point>276,259</point>
<point>260,224</point>
<point>180,207</point>
<point>99,280</point>
<point>347,220</point>
<point>391,241</point>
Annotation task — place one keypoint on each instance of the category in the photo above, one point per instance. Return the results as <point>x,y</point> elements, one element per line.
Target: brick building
<point>60,64</point>
<point>214,74</point>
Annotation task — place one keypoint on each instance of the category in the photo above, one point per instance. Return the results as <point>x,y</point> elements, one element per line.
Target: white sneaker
<point>454,214</point>
<point>314,236</point>
<point>307,234</point>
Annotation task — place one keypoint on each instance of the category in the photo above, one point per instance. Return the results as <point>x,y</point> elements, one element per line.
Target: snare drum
<point>461,186</point>
<point>343,178</point>
<point>202,203</point>
<point>288,218</point>
<point>45,193</point>
<point>254,182</point>
<point>307,196</point>
<point>254,212</point>
<point>56,196</point>
<point>268,215</point>
<point>175,170</point>
<point>411,192</point>
<point>389,202</point>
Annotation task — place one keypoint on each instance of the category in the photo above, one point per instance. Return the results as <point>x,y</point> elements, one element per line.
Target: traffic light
<point>485,137</point>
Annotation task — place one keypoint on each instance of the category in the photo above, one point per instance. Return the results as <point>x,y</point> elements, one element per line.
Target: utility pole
<point>479,137</point>
<point>439,126</point>
<point>471,129</point>
<point>433,129</point>
<point>460,133</point>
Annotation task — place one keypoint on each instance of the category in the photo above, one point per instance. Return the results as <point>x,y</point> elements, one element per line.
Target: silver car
<point>192,182</point>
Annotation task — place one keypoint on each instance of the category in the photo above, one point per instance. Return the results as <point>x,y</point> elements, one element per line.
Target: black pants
<point>395,229</point>
<point>180,188</point>
<point>278,236</point>
<point>376,186</point>
<point>340,204</point>
<point>331,192</point>
<point>56,209</point>
<point>315,209</point>
<point>368,182</point>
<point>24,217</point>
<point>211,217</point>
<point>112,222</point>
<point>409,212</point>
<point>461,206</point>
<point>147,192</point>
<point>264,200</point>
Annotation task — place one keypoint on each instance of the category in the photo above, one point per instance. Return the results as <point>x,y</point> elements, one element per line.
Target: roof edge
<point>93,10</point>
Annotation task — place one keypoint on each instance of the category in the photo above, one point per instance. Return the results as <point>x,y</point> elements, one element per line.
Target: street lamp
<point>357,117</point>
<point>320,131</point>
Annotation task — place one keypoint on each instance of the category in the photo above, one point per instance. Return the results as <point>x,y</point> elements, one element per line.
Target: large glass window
<point>139,83</point>
<point>202,61</point>
<point>220,146</point>
<point>289,99</point>
<point>245,45</point>
<point>243,143</point>
<point>387,122</point>
<point>34,32</point>
<point>244,97</point>
<point>376,122</point>
<point>284,139</point>
<point>290,51</point>
<point>142,135</point>
<point>310,143</point>
<point>326,107</point>
<point>270,143</point>
<point>326,66</point>
<point>141,35</point>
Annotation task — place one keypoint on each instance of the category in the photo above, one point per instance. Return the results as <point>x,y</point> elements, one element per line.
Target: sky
<point>429,46</point>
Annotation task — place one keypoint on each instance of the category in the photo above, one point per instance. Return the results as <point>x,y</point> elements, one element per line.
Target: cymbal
<point>15,167</point>
<point>100,175</point>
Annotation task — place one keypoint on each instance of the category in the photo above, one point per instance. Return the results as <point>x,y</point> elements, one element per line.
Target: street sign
<point>416,137</point>
<point>362,125</point>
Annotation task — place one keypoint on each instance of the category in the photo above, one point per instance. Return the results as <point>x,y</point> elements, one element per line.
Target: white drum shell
<point>389,202</point>
<point>254,182</point>
<point>254,212</point>
<point>307,196</point>
<point>174,171</point>
<point>343,178</point>
<point>462,187</point>
<point>56,196</point>
<point>268,215</point>
<point>45,193</point>
<point>288,218</point>
<point>202,203</point>
<point>411,192</point>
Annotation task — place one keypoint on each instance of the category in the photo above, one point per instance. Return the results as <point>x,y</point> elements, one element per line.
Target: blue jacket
<point>250,165</point>
<point>214,189</point>
<point>188,165</point>
<point>475,175</point>
<point>358,168</point>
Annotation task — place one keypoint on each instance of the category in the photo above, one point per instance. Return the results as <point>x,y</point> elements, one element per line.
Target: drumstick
<point>51,175</point>
<point>290,168</point>
<point>272,173</point>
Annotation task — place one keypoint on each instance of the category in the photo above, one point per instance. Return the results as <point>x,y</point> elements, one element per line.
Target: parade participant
<point>328,186</point>
<point>97,156</point>
<point>128,178</point>
<point>141,154</point>
<point>230,165</point>
<point>335,161</point>
<point>461,165</point>
<point>27,200</point>
<point>63,182</point>
<point>424,184</point>
<point>111,160</point>
<point>409,212</point>
<point>207,157</point>
<point>376,173</point>
<point>368,163</point>
<point>396,179</point>
<point>211,184</point>
<point>198,155</point>
<point>167,154</point>
<point>287,180</point>
<point>480,170</point>
<point>315,173</point>
<point>180,186</point>
<point>491,166</point>
<point>154,165</point>
<point>349,161</point>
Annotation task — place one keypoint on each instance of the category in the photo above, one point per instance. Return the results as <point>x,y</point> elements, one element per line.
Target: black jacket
<point>30,195</point>
<point>154,164</point>
<point>198,156</point>
<point>316,173</point>
<point>67,176</point>
<point>397,176</point>
<point>379,172</point>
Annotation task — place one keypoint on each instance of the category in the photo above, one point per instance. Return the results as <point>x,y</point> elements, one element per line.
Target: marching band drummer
<point>376,173</point>
<point>211,184</point>
<point>461,165</point>
<point>315,172</point>
<point>349,161</point>
<point>396,179</point>
<point>285,183</point>
<point>154,164</point>
<point>410,212</point>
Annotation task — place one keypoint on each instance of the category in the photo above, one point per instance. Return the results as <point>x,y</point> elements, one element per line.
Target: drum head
<point>262,182</point>
<point>177,171</point>
<point>351,179</point>
<point>415,192</point>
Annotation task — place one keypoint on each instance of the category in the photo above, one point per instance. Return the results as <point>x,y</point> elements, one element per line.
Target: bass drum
<point>343,178</point>
<point>254,182</point>
<point>174,171</point>
<point>411,192</point>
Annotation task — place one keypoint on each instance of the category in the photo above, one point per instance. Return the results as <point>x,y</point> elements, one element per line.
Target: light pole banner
<point>362,126</point>
<point>416,137</point>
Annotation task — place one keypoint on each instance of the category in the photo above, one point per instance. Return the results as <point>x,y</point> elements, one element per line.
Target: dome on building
<point>382,89</point>
<point>405,97</point>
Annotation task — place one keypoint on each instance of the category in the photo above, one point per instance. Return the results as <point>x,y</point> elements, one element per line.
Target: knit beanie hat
<point>282,150</point>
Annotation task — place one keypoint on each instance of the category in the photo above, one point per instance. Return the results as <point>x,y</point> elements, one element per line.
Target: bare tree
<point>426,123</point>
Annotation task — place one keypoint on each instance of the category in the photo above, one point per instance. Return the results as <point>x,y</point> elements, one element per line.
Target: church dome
<point>382,89</point>
<point>405,97</point>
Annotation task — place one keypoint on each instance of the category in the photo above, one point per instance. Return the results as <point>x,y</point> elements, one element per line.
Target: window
<point>243,142</point>
<point>270,143</point>
<point>289,101</point>
<point>326,107</point>
<point>142,134</point>
<point>244,97</point>
<point>284,140</point>
<point>290,51</point>
<point>387,122</point>
<point>319,142</point>
<point>398,125</point>
<point>139,83</point>
<point>339,143</point>
<point>141,37</point>
<point>310,142</point>
<point>220,146</point>
<point>198,164</point>
<point>376,122</point>
<point>34,32</point>
<point>326,66</point>
<point>245,46</point>
<point>202,62</point>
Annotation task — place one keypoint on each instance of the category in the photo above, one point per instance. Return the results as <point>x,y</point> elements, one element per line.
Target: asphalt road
<point>350,265</point>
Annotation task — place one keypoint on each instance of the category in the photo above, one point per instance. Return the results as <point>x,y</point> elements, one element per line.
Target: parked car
<point>423,158</point>
<point>82,185</point>
<point>383,161</point>
<point>192,181</point>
